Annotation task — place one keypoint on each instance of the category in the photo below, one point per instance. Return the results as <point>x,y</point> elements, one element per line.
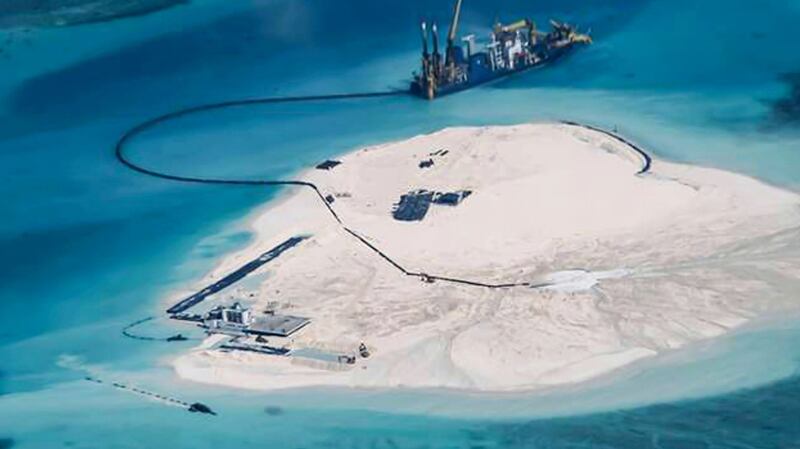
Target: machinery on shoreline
<point>512,48</point>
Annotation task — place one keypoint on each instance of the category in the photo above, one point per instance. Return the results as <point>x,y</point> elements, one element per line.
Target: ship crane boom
<point>451,35</point>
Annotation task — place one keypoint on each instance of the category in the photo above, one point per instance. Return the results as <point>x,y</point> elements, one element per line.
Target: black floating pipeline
<point>195,407</point>
<point>127,136</point>
<point>127,331</point>
<point>119,151</point>
<point>648,161</point>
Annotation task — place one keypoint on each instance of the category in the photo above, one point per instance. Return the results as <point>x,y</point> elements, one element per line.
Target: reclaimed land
<point>627,262</point>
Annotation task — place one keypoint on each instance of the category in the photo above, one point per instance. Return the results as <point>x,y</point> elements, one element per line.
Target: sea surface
<point>88,247</point>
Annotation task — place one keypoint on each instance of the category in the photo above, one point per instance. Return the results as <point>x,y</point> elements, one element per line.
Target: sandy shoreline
<point>641,264</point>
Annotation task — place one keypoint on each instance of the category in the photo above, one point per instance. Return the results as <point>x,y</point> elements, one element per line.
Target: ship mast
<point>424,27</point>
<point>426,63</point>
<point>451,37</point>
<point>435,35</point>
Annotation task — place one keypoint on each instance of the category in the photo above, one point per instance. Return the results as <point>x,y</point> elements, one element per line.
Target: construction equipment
<point>512,48</point>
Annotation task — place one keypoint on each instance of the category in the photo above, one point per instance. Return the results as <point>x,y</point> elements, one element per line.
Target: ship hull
<point>485,76</point>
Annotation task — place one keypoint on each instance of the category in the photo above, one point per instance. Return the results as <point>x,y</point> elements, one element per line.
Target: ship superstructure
<point>511,48</point>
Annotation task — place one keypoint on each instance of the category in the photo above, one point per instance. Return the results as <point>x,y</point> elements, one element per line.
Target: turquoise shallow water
<point>89,247</point>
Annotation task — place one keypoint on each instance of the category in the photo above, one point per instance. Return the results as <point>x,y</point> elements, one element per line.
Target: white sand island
<point>633,264</point>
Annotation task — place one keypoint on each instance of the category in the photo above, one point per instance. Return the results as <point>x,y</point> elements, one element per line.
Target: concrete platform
<point>277,325</point>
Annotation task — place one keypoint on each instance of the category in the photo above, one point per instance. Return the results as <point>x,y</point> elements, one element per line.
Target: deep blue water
<point>88,247</point>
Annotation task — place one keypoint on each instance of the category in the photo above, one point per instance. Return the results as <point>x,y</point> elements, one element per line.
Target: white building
<point>234,318</point>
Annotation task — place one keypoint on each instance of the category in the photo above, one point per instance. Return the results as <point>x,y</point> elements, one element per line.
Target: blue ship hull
<point>479,73</point>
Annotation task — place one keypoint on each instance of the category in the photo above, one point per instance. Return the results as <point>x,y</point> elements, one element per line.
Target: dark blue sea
<point>87,247</point>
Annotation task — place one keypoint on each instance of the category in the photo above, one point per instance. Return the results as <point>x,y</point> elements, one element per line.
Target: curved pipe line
<point>648,161</point>
<point>119,151</point>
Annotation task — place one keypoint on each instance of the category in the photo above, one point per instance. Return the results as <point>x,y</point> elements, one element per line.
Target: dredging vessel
<point>512,48</point>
